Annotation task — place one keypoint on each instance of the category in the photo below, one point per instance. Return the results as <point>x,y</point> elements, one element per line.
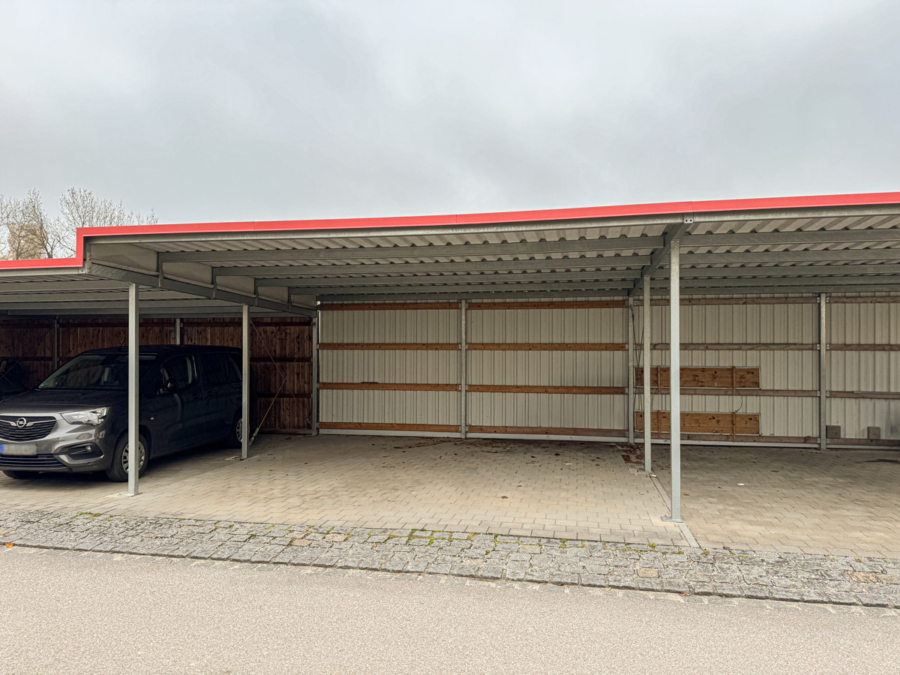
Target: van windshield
<point>94,371</point>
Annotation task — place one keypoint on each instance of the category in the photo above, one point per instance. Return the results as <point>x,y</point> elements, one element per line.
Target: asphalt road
<point>100,613</point>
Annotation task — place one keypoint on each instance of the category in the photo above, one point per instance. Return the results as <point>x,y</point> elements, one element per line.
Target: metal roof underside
<point>853,249</point>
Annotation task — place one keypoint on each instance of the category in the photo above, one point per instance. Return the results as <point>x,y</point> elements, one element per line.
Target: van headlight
<point>95,416</point>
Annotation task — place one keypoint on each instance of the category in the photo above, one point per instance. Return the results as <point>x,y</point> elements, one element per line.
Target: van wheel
<point>118,472</point>
<point>21,475</point>
<point>234,436</point>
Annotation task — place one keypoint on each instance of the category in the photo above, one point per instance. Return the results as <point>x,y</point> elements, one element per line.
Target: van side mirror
<point>166,389</point>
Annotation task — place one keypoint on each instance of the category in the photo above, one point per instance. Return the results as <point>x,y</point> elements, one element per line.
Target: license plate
<point>19,449</point>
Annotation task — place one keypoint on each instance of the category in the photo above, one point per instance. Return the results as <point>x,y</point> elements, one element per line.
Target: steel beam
<point>462,288</point>
<point>399,252</point>
<point>245,381</point>
<point>463,365</point>
<point>673,233</point>
<point>284,273</point>
<point>484,295</point>
<point>841,255</point>
<point>629,375</point>
<point>675,380</point>
<point>647,362</point>
<point>823,370</point>
<point>159,281</point>
<point>314,401</point>
<point>134,346</point>
<point>795,237</point>
<point>431,279</point>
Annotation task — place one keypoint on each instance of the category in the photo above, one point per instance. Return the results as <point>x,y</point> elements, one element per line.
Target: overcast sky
<point>278,110</point>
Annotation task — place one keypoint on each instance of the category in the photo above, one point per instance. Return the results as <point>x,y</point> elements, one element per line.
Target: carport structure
<point>727,322</point>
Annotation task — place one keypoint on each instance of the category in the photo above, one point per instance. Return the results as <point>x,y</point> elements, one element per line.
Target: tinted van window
<point>178,373</point>
<point>215,369</point>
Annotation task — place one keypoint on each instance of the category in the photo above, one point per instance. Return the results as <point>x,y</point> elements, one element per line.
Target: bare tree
<point>31,233</point>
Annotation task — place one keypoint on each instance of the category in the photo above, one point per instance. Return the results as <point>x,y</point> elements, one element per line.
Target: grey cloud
<point>225,111</point>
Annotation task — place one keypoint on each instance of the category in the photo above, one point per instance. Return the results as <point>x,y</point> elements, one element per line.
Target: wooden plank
<point>547,346</point>
<point>387,386</point>
<point>693,391</point>
<point>528,389</point>
<point>448,428</point>
<point>548,431</point>
<point>868,395</point>
<point>864,348</point>
<point>576,304</point>
<point>867,300</point>
<point>375,306</point>
<point>734,301</point>
<point>704,423</point>
<point>704,378</point>
<point>392,346</point>
<point>734,347</point>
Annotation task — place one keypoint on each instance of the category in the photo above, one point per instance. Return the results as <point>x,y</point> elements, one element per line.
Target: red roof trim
<point>670,208</point>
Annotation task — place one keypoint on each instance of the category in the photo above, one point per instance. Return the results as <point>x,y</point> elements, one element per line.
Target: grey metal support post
<point>177,331</point>
<point>647,361</point>
<point>675,376</point>
<point>245,381</point>
<point>133,389</point>
<point>629,404</point>
<point>823,370</point>
<point>314,408</point>
<point>55,343</point>
<point>463,353</point>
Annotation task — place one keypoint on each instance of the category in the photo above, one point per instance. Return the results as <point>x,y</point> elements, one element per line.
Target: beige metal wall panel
<point>579,369</point>
<point>427,367</point>
<point>390,407</point>
<point>855,415</point>
<point>546,410</point>
<point>390,367</point>
<point>437,325</point>
<point>547,325</point>
<point>548,368</point>
<point>778,369</point>
<point>737,324</point>
<point>864,371</point>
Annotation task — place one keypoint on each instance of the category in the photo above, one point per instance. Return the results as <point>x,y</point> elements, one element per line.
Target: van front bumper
<point>68,448</point>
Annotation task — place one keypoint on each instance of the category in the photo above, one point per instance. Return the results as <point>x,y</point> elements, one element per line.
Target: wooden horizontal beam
<point>698,391</point>
<point>385,306</point>
<point>547,431</point>
<point>575,304</point>
<point>863,348</point>
<point>379,426</point>
<point>547,346</point>
<point>529,389</point>
<point>734,347</point>
<point>392,346</point>
<point>387,386</point>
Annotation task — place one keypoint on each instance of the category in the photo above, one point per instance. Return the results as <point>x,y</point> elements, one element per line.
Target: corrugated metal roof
<point>803,245</point>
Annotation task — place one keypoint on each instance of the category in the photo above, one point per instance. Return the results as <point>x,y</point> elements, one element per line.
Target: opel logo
<point>21,422</point>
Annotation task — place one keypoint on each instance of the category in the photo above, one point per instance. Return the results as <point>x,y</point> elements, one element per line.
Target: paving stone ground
<point>791,500</point>
<point>873,582</point>
<point>843,503</point>
<point>527,488</point>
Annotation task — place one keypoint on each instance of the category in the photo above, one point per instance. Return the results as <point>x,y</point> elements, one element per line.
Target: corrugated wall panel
<point>864,371</point>
<point>746,324</point>
<point>548,368</point>
<point>396,366</point>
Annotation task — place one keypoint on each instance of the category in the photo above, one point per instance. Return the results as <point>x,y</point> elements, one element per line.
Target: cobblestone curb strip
<point>870,582</point>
